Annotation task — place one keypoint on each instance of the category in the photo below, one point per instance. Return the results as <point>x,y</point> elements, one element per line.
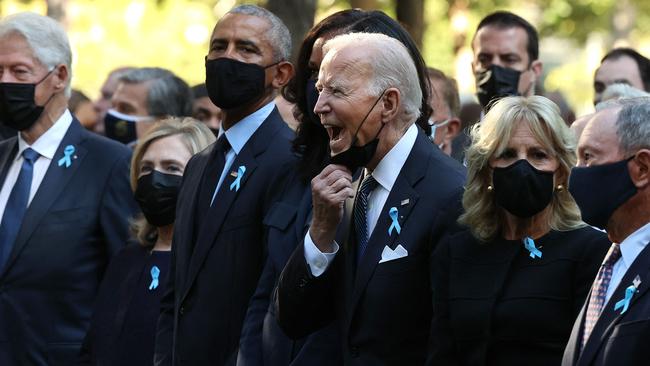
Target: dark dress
<point>495,305</point>
<point>123,326</point>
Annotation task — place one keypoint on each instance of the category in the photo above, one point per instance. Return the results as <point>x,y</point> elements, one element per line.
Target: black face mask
<point>494,83</point>
<point>157,194</point>
<point>233,83</point>
<point>121,127</point>
<point>18,109</point>
<point>521,189</point>
<point>599,190</point>
<point>358,156</point>
<point>311,97</point>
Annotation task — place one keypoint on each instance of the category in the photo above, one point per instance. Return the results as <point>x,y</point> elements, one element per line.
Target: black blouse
<point>495,305</point>
<point>123,327</point>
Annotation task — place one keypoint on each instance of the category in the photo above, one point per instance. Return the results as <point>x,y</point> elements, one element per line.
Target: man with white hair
<point>611,185</point>
<point>65,199</point>
<point>376,284</point>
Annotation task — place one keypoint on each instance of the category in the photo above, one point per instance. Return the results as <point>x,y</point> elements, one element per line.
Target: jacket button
<point>354,351</point>
<point>181,310</point>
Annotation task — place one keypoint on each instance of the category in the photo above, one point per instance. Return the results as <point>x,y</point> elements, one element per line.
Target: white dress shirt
<point>238,135</point>
<point>630,249</point>
<point>385,174</point>
<point>46,146</point>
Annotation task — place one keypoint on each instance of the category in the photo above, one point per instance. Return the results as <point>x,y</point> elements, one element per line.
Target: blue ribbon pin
<point>67,153</point>
<point>155,273</point>
<point>529,244</point>
<point>240,174</point>
<point>625,303</point>
<point>395,225</point>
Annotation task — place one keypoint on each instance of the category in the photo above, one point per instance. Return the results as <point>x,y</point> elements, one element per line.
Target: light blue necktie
<point>16,206</point>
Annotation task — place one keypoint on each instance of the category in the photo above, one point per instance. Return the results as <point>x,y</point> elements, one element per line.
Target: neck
<point>164,242</point>
<point>630,217</point>
<point>52,112</point>
<point>388,138</point>
<point>516,228</point>
<point>234,115</point>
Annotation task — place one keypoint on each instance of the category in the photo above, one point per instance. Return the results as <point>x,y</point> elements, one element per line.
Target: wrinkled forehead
<point>347,62</point>
<point>600,131</point>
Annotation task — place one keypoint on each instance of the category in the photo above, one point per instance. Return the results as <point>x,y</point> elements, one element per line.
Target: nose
<point>321,106</point>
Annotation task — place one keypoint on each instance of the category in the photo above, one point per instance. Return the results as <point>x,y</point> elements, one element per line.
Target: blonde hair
<point>490,138</point>
<point>195,135</point>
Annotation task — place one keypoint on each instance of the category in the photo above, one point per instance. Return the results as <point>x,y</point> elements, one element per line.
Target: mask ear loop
<point>354,139</point>
<point>43,79</point>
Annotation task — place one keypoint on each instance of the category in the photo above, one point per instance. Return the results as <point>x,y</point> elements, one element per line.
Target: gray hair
<point>622,91</point>
<point>168,95</point>
<point>278,36</point>
<point>45,37</point>
<point>392,67</point>
<point>633,125</point>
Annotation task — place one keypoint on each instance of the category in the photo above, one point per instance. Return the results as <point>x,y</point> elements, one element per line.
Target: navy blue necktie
<point>16,206</point>
<point>361,214</point>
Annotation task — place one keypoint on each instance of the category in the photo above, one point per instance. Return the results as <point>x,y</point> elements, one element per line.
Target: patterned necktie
<point>361,214</point>
<point>16,205</point>
<point>599,291</point>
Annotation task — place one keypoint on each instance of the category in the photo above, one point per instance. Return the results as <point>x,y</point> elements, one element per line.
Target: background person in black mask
<point>508,288</point>
<point>375,285</point>
<point>65,199</point>
<point>123,325</point>
<point>506,52</point>
<point>219,245</point>
<point>142,97</point>
<point>612,188</point>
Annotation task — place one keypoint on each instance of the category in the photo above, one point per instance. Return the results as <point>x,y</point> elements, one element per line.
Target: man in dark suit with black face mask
<point>65,199</point>
<point>218,247</point>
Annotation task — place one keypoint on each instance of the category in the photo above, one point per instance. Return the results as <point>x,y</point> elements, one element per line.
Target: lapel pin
<point>239,175</point>
<point>629,293</point>
<point>637,281</point>
<point>529,244</point>
<point>67,153</point>
<point>393,213</point>
<point>233,174</point>
<point>155,274</point>
<point>405,202</point>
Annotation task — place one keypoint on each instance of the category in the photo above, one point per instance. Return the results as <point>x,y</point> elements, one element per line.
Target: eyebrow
<point>238,42</point>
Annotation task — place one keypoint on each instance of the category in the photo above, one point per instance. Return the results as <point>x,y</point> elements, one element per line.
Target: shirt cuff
<point>317,260</point>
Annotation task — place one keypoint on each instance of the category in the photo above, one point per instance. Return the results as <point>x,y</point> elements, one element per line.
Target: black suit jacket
<point>383,310</point>
<point>214,271</point>
<point>617,339</point>
<point>494,305</point>
<point>262,341</point>
<point>76,221</point>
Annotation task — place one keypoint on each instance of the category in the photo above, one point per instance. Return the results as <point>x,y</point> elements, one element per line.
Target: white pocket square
<point>390,255</point>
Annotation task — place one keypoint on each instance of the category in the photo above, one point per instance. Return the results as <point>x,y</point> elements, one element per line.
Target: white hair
<point>391,64</point>
<point>45,37</point>
<point>620,91</point>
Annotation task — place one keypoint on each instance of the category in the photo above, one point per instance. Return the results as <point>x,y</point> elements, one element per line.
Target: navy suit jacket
<point>383,310</point>
<point>617,339</point>
<point>77,220</point>
<point>215,269</point>
<point>262,341</point>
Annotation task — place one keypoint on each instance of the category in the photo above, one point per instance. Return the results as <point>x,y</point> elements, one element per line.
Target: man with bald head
<point>228,189</point>
<point>365,261</point>
<point>611,185</point>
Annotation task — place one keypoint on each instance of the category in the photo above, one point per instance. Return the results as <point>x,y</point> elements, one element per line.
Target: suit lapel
<point>572,351</point>
<point>609,318</point>
<point>6,158</point>
<point>55,180</point>
<point>226,197</point>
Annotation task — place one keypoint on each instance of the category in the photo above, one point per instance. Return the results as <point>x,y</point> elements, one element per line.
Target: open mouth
<point>334,133</point>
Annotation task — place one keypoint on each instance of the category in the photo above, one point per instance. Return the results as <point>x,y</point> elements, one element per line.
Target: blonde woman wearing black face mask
<point>508,288</point>
<point>124,321</point>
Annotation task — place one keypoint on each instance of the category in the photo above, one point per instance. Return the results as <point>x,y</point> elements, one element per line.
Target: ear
<point>639,168</point>
<point>537,68</point>
<point>391,104</point>
<point>283,74</point>
<point>453,129</point>
<point>60,77</point>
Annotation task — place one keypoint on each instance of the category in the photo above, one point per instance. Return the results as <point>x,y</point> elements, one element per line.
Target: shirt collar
<point>239,134</point>
<point>390,165</point>
<point>47,144</point>
<point>634,244</point>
